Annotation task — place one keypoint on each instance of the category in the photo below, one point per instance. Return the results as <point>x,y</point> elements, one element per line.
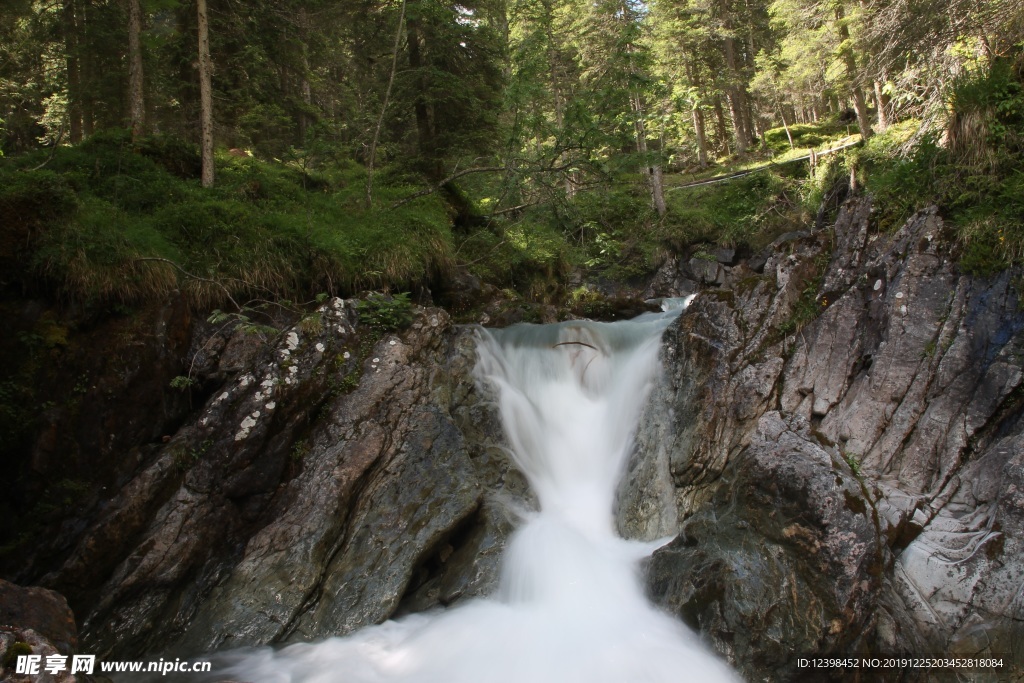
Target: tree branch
<point>184,272</point>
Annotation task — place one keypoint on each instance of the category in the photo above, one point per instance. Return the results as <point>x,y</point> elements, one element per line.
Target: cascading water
<point>570,608</point>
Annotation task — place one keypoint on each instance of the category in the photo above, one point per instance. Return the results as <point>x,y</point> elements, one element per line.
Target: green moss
<point>15,650</point>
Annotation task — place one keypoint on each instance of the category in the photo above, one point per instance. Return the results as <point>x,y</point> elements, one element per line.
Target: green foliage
<point>107,223</point>
<point>977,178</point>
<point>244,321</point>
<point>805,135</point>
<point>807,308</point>
<point>749,211</point>
<point>186,456</point>
<point>183,383</point>
<point>386,313</point>
<point>854,462</point>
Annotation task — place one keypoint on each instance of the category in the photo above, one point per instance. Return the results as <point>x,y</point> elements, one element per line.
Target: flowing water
<point>570,607</point>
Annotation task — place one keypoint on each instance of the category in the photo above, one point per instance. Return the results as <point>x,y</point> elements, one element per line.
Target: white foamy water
<point>570,607</point>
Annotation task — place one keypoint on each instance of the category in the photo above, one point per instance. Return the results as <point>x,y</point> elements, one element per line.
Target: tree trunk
<point>881,103</point>
<point>86,68</point>
<point>735,96</point>
<point>859,103</point>
<point>782,115</point>
<point>653,171</point>
<point>307,93</point>
<point>702,142</point>
<point>205,94</point>
<point>723,129</point>
<point>71,25</point>
<point>372,157</point>
<point>556,92</point>
<point>136,98</point>
<point>424,136</point>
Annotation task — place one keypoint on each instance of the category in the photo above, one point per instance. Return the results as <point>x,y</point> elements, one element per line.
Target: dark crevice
<point>433,564</point>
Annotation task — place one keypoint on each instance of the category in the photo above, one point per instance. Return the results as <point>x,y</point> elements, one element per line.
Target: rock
<point>725,256</point>
<point>45,612</point>
<point>338,477</point>
<point>849,484</point>
<point>17,641</point>
<point>790,533</point>
<point>708,272</point>
<point>670,281</point>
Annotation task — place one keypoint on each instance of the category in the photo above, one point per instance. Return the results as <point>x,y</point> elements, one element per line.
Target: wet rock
<point>789,534</point>
<point>845,484</point>
<point>670,281</point>
<point>340,475</point>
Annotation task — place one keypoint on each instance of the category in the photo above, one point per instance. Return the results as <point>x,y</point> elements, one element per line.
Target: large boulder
<point>836,445</point>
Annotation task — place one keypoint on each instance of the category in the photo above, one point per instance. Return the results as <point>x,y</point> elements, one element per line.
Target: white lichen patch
<point>392,342</point>
<point>320,347</point>
<point>376,360</point>
<point>285,353</point>
<point>878,285</point>
<point>346,355</point>
<point>899,295</point>
<point>292,340</point>
<point>293,369</point>
<point>247,424</point>
<point>246,380</point>
<point>222,397</point>
<point>271,405</point>
<point>268,382</point>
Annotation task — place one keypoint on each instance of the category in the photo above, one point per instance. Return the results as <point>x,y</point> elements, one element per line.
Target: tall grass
<point>109,221</point>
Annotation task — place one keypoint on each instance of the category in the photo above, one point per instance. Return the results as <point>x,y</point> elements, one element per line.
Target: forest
<point>286,149</point>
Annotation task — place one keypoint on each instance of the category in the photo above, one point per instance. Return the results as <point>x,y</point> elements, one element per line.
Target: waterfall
<point>570,607</point>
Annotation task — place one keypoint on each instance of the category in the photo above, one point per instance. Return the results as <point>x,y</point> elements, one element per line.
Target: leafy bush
<point>386,313</point>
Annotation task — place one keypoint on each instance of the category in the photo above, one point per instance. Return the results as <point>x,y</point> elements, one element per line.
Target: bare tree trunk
<point>653,171</point>
<point>702,141</point>
<point>859,103</point>
<point>136,97</point>
<point>74,76</point>
<point>423,131</point>
<point>86,68</point>
<point>735,96</point>
<point>307,93</point>
<point>723,130</point>
<point>782,115</point>
<point>205,94</point>
<point>881,103</point>
<point>372,157</point>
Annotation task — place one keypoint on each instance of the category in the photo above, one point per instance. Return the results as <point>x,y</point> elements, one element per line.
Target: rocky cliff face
<point>337,476</point>
<point>835,447</point>
<point>840,440</point>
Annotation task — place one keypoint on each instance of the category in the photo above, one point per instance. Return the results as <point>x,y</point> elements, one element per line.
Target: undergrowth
<point>109,222</point>
<point>973,169</point>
